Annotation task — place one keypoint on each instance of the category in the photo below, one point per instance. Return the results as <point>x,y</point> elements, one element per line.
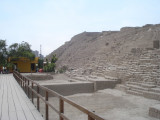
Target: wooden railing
<point>29,85</point>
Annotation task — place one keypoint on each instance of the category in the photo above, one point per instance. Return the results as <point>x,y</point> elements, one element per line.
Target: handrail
<point>28,84</point>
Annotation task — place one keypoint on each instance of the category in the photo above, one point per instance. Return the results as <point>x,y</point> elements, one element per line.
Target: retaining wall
<point>80,87</point>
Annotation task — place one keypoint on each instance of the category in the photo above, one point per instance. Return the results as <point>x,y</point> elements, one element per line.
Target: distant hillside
<point>89,47</point>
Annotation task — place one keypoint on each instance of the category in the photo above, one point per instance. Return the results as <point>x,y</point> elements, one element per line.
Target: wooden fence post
<point>32,93</point>
<point>20,82</point>
<point>28,89</point>
<point>90,118</point>
<point>38,98</point>
<point>46,98</point>
<point>61,108</point>
<point>25,85</point>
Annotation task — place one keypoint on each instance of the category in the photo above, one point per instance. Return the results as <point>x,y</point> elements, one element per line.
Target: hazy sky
<point>52,22</point>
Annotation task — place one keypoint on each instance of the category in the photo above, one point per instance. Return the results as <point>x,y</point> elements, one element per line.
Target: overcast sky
<point>53,22</point>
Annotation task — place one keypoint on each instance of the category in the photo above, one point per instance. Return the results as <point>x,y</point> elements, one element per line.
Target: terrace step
<point>146,94</point>
<point>134,92</point>
<point>156,90</point>
<point>113,78</point>
<point>121,87</point>
<point>137,87</point>
<point>137,90</point>
<point>147,91</point>
<point>80,78</point>
<point>150,82</point>
<point>142,84</point>
<point>151,95</point>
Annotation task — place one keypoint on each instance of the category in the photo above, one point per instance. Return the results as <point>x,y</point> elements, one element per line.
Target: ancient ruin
<point>130,56</point>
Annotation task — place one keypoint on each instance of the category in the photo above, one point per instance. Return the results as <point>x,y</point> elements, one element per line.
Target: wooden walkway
<point>14,104</point>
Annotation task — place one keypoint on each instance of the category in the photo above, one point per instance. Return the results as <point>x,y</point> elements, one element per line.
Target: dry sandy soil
<point>111,104</point>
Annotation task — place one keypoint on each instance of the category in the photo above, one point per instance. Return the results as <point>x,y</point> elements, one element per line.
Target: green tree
<point>16,51</point>
<point>21,50</point>
<point>40,63</point>
<point>50,67</point>
<point>3,53</point>
<point>63,69</point>
<point>54,59</point>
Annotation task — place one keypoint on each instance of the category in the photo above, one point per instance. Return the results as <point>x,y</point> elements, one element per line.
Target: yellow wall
<point>24,64</point>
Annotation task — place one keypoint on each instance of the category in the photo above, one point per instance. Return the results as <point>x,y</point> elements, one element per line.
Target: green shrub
<point>49,67</point>
<point>63,69</point>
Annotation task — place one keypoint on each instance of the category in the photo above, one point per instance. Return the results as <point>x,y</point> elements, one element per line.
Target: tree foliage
<point>63,69</point>
<point>50,67</point>
<point>15,51</point>
<point>21,50</point>
<point>40,63</point>
<point>54,59</point>
<point>3,53</point>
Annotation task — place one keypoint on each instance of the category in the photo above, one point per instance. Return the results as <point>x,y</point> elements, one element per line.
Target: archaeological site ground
<point>115,74</point>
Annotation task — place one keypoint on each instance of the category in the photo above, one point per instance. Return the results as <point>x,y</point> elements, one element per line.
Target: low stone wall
<point>40,77</point>
<point>100,85</point>
<point>154,111</point>
<point>80,87</point>
<point>70,89</point>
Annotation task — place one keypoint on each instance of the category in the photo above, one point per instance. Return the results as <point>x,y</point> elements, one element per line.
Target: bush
<point>63,69</point>
<point>49,67</point>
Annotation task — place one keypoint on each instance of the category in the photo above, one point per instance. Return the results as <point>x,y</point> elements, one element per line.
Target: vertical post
<point>20,82</point>
<point>46,98</point>
<point>28,90</point>
<point>90,118</point>
<point>61,108</point>
<point>23,82</point>
<point>32,92</point>
<point>37,98</point>
<point>25,85</point>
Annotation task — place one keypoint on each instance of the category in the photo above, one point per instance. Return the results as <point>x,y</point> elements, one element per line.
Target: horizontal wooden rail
<point>28,86</point>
